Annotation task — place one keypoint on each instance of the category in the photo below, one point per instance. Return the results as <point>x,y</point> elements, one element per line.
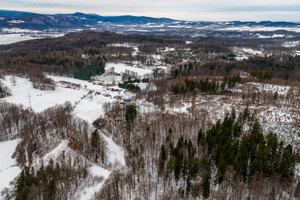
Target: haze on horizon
<point>195,10</point>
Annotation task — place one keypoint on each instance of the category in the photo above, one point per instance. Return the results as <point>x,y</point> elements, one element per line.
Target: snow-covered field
<point>260,29</point>
<point>23,93</point>
<point>18,30</point>
<point>13,35</point>
<point>291,44</point>
<point>13,38</point>
<point>87,99</point>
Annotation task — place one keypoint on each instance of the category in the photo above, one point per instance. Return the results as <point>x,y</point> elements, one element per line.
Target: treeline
<point>211,67</point>
<point>89,71</point>
<point>262,75</point>
<point>40,81</point>
<point>235,155</point>
<point>210,47</point>
<point>280,67</point>
<point>85,39</point>
<point>205,86</point>
<point>58,63</point>
<point>286,68</point>
<point>49,60</point>
<point>132,84</point>
<point>284,62</point>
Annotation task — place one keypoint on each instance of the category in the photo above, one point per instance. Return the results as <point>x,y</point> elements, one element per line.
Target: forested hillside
<point>100,115</point>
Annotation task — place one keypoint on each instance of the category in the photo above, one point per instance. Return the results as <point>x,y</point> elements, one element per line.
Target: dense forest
<point>233,156</point>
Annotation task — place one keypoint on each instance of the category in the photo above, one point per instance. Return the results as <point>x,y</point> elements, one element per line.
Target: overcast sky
<point>197,10</point>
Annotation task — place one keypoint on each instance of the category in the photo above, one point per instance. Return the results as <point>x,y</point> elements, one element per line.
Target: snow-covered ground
<point>281,90</point>
<point>13,35</point>
<point>122,68</point>
<point>18,30</point>
<point>115,154</point>
<point>13,38</point>
<point>23,93</point>
<point>249,51</point>
<point>16,21</point>
<point>291,44</point>
<point>270,36</point>
<point>260,29</point>
<point>62,146</point>
<point>89,192</point>
<point>8,168</point>
<point>87,98</point>
<point>245,53</point>
<point>129,45</point>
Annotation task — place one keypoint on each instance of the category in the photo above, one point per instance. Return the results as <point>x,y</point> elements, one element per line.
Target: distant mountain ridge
<point>18,22</point>
<point>11,13</point>
<point>16,19</point>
